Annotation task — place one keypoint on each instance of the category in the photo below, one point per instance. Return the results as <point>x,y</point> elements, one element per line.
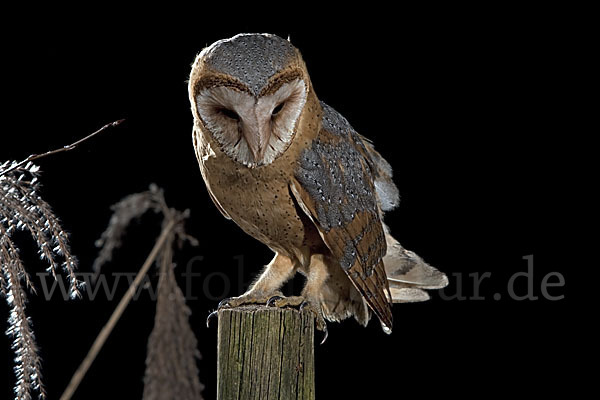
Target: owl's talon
<point>224,303</point>
<point>271,302</point>
<point>304,304</point>
<point>210,316</point>
<point>325,334</point>
<point>319,320</point>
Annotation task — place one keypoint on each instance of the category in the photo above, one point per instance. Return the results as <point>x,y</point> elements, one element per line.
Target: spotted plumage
<point>294,174</point>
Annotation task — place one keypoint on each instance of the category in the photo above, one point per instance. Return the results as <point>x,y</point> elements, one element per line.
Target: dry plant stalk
<point>171,371</point>
<point>22,208</point>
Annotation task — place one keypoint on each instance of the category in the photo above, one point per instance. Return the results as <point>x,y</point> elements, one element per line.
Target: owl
<point>292,172</point>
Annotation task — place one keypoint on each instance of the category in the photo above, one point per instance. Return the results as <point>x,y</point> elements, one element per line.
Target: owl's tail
<point>408,274</point>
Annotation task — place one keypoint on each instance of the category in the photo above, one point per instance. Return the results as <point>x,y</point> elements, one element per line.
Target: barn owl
<point>292,172</point>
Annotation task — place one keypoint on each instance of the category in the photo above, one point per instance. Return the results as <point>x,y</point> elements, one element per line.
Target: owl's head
<point>248,93</point>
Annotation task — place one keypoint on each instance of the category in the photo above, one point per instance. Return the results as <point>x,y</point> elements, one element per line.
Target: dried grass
<point>22,209</point>
<point>171,370</point>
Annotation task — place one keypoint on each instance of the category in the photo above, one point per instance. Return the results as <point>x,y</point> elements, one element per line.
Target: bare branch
<point>62,149</point>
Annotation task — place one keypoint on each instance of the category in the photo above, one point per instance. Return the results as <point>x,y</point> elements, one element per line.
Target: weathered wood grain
<point>265,353</point>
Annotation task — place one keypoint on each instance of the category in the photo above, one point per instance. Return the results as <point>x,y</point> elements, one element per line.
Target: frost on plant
<point>22,208</point>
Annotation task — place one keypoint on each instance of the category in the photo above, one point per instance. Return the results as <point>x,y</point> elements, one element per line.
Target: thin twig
<point>65,148</point>
<point>116,315</point>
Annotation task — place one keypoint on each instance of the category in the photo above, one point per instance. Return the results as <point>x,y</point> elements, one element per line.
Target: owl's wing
<point>335,186</point>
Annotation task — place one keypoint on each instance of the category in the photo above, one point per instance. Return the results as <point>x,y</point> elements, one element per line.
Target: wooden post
<point>265,353</point>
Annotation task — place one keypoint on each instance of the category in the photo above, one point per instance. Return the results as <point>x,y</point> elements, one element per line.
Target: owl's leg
<point>310,298</point>
<point>268,284</point>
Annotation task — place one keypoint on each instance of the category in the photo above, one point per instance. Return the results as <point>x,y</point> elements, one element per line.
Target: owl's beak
<point>258,140</point>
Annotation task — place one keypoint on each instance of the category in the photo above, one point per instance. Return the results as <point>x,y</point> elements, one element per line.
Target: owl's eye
<point>229,114</point>
<point>277,109</point>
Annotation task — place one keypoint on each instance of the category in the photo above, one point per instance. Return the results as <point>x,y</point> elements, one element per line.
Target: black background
<point>465,110</point>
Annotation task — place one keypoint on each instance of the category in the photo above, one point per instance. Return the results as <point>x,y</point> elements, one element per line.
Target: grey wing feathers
<point>334,184</point>
<point>407,273</point>
<point>387,193</point>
